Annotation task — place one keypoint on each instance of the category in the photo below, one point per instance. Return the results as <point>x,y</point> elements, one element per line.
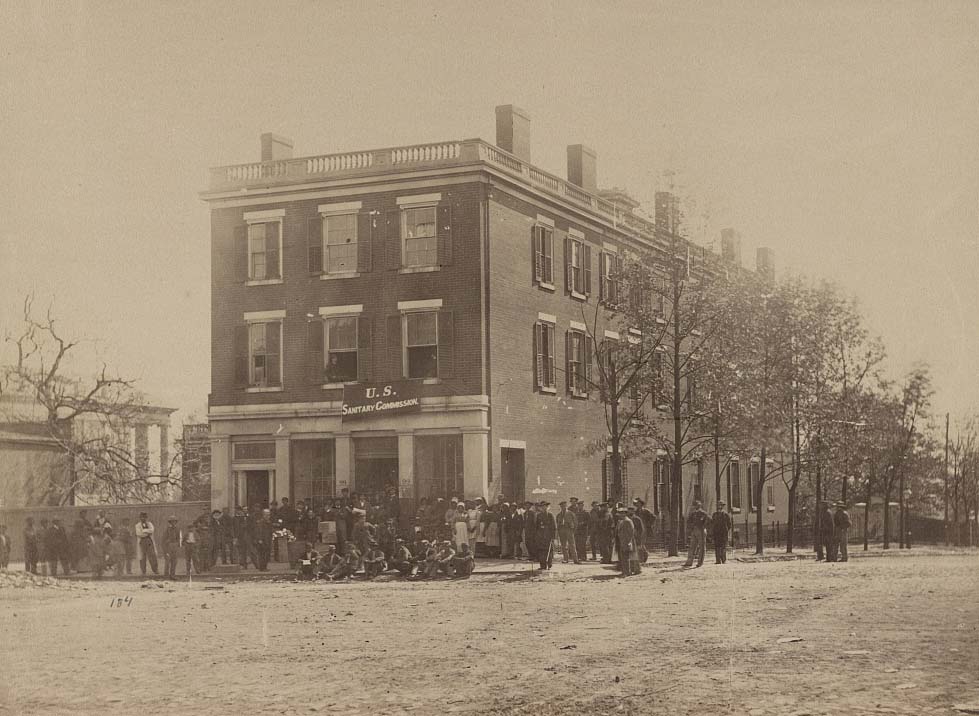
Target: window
<point>754,475</point>
<point>264,251</point>
<point>341,349</point>
<point>421,344</point>
<point>438,466</point>
<point>660,499</point>
<point>770,491</point>
<point>265,354</point>
<point>420,238</point>
<point>609,281</point>
<point>313,467</point>
<point>734,477</point>
<point>340,240</point>
<point>578,362</point>
<point>698,482</point>
<point>577,258</point>
<point>544,356</point>
<point>257,451</point>
<point>544,255</point>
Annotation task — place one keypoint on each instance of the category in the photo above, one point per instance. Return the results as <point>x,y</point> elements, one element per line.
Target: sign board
<point>368,400</point>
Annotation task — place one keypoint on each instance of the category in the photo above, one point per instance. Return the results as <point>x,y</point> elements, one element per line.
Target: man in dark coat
<point>625,537</point>
<point>640,555</point>
<point>262,536</point>
<point>530,530</point>
<point>58,548</point>
<point>566,526</point>
<point>581,517</point>
<point>32,548</point>
<point>648,520</point>
<point>720,529</point>
<point>841,525</point>
<point>603,533</point>
<point>218,528</point>
<point>827,531</point>
<point>544,536</point>
<point>697,534</point>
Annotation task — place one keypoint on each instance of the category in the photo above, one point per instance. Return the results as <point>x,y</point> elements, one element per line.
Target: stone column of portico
<point>164,449</point>
<point>344,462</point>
<point>406,466</point>
<point>475,463</point>
<point>281,487</point>
<point>222,492</point>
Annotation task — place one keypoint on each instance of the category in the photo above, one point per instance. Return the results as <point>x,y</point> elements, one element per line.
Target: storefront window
<point>313,471</point>
<point>438,466</point>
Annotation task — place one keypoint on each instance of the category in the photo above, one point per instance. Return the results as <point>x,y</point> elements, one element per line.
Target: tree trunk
<point>900,500</point>
<point>790,525</point>
<point>717,464</point>
<point>887,516</point>
<point>817,543</point>
<point>866,515</point>
<point>759,534</point>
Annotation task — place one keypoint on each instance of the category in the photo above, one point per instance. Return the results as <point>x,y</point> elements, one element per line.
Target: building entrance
<point>375,465</point>
<point>512,474</point>
<point>256,488</point>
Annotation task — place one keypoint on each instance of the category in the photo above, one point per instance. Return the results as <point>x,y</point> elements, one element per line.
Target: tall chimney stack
<point>275,147</point>
<point>731,246</point>
<point>582,167</point>
<point>765,263</point>
<point>513,131</point>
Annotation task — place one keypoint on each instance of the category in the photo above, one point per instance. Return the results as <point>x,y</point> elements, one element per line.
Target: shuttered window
<point>340,239</point>
<point>578,363</point>
<point>264,251</point>
<point>420,237</point>
<point>543,237</point>
<point>609,278</point>
<point>577,257</point>
<point>421,344</point>
<point>544,356</point>
<point>734,475</point>
<point>265,354</point>
<point>341,349</point>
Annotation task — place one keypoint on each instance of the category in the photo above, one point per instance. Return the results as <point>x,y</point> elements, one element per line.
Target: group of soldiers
<point>96,543</point>
<point>422,559</point>
<point>834,532</point>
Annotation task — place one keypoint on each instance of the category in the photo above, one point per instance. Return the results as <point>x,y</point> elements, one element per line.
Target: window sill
<point>339,275</point>
<point>431,381</point>
<point>546,286</point>
<point>579,296</point>
<point>735,510</point>
<point>548,391</point>
<point>418,269</point>
<point>579,395</point>
<point>263,282</point>
<point>264,389</point>
<point>337,386</point>
<point>771,509</point>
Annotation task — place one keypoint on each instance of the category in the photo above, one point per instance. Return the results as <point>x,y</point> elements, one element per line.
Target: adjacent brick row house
<point>413,318</point>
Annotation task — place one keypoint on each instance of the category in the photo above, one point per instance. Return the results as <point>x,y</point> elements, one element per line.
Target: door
<point>512,474</point>
<point>257,488</point>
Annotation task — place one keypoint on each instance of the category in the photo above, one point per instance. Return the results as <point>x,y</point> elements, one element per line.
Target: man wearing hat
<point>144,538</point>
<point>697,534</point>
<point>841,530</point>
<point>827,531</point>
<point>544,535</point>
<point>402,560</point>
<point>581,517</point>
<point>720,528</point>
<point>530,530</point>
<point>173,539</point>
<point>220,532</point>
<point>566,526</point>
<point>602,532</point>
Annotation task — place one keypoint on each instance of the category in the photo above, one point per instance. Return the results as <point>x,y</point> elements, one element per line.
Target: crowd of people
<point>366,535</point>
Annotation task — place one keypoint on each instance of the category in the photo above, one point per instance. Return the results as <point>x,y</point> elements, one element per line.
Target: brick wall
<point>379,290</point>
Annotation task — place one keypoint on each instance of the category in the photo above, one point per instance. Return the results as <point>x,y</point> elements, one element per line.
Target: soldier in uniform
<point>696,534</point>
<point>218,527</point>
<point>530,530</point>
<point>603,528</point>
<point>625,535</point>
<point>402,559</point>
<point>581,517</point>
<point>463,563</point>
<point>827,531</point>
<point>173,538</point>
<point>262,535</point>
<point>720,528</point>
<point>566,527</point>
<point>544,533</point>
<point>841,525</point>
<point>329,561</point>
<point>58,547</point>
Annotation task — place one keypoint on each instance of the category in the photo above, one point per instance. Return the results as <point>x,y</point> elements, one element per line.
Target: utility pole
<point>945,476</point>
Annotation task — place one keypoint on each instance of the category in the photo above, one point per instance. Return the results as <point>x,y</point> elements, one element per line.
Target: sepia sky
<point>844,135</point>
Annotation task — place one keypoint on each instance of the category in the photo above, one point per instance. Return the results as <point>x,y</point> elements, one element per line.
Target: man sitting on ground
<point>463,563</point>
<point>348,565</point>
<point>374,562</point>
<point>329,561</point>
<point>402,559</point>
<point>445,558</point>
<point>431,560</point>
<point>308,562</point>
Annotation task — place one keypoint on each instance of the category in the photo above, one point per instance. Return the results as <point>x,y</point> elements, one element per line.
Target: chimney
<point>667,212</point>
<point>731,246</point>
<point>513,131</point>
<point>765,263</point>
<point>275,147</point>
<point>582,168</point>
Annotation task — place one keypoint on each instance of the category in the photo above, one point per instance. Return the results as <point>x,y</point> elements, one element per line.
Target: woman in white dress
<point>460,526</point>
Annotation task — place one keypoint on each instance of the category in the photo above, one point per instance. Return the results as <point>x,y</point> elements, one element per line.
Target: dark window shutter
<point>444,233</point>
<point>586,267</point>
<point>446,337</point>
<point>548,240</point>
<point>537,252</point>
<point>314,244</point>
<point>396,364</point>
<point>567,361</point>
<point>273,343</point>
<point>272,236</point>
<point>538,355</point>
<point>365,229</point>
<point>550,357</point>
<point>392,239</point>
<point>568,273</point>
<point>315,360</point>
<point>588,359</point>
<point>241,355</point>
<point>363,348</point>
<point>602,289</point>
<point>241,253</point>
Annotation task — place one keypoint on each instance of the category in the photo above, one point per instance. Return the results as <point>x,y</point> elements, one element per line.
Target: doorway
<point>375,465</point>
<point>257,488</point>
<point>512,474</point>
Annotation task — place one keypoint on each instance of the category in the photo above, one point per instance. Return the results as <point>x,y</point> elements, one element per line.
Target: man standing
<point>827,531</point>
<point>566,526</point>
<point>603,533</point>
<point>841,524</point>
<point>593,519</point>
<point>147,548</point>
<point>720,527</point>
<point>219,538</point>
<point>581,529</point>
<point>263,539</point>
<point>544,534</point>
<point>625,536</point>
<point>530,530</point>
<point>172,540</point>
<point>697,533</point>
<point>128,541</point>
<point>31,546</point>
<point>58,548</point>
<point>648,520</point>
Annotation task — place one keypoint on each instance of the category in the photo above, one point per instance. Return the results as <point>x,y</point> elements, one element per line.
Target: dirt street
<point>881,635</point>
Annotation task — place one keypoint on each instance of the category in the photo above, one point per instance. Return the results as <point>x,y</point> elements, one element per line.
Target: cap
<point>143,514</point>
<point>172,518</point>
<point>721,503</point>
<point>563,502</point>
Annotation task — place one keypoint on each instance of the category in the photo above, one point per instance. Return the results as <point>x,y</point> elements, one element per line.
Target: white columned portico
<point>222,494</point>
<point>406,465</point>
<point>344,461</point>
<point>475,463</point>
<point>281,487</point>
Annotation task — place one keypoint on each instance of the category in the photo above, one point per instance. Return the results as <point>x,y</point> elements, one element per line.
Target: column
<point>344,458</point>
<point>142,453</point>
<point>281,487</point>
<point>165,449</point>
<point>406,466</point>
<point>475,464</point>
<point>222,494</point>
